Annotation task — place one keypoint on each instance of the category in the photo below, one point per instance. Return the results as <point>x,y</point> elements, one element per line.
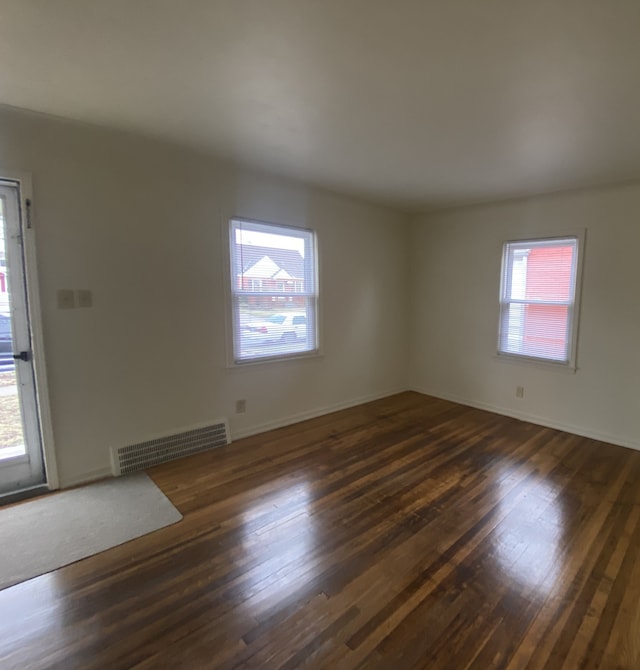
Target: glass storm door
<point>21,462</point>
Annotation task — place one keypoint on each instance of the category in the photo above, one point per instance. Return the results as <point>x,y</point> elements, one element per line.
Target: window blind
<point>537,298</point>
<point>274,290</point>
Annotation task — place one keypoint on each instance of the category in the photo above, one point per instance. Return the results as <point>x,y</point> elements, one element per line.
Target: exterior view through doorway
<point>22,465</point>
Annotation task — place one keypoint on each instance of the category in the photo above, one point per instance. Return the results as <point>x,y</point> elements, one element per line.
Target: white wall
<point>144,226</point>
<point>455,263</point>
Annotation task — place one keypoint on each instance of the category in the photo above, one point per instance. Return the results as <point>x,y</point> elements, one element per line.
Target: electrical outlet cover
<point>66,298</point>
<point>85,298</point>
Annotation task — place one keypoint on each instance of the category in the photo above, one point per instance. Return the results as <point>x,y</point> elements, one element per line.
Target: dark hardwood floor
<point>406,533</point>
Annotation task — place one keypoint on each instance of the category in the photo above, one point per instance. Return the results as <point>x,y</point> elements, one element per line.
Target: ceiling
<point>418,103</point>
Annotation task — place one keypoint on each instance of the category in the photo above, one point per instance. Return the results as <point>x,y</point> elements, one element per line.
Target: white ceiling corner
<point>418,103</point>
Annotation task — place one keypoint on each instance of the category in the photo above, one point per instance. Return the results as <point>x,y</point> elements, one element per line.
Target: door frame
<point>25,193</point>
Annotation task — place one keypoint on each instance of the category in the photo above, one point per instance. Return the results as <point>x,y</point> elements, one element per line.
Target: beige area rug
<point>45,534</point>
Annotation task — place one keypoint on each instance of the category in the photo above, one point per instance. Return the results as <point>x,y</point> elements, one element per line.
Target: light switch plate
<point>66,298</point>
<point>84,298</point>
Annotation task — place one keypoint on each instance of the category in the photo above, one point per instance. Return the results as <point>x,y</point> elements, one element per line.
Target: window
<point>538,309</point>
<point>273,291</point>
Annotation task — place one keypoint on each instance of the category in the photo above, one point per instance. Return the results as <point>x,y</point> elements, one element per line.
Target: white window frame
<point>310,279</point>
<point>574,305</point>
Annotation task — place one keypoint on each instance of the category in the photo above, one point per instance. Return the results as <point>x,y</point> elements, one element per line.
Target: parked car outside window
<point>286,327</point>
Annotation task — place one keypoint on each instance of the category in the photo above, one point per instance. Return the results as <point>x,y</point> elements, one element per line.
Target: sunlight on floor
<point>279,537</point>
<point>529,548</point>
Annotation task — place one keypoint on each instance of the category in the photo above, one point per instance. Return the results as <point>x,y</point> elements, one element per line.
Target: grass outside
<point>10,421</point>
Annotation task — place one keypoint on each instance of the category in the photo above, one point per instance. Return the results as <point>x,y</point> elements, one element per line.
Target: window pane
<point>549,273</point>
<point>541,276</point>
<point>273,284</point>
<point>540,331</point>
<point>274,326</point>
<point>540,270</point>
<point>269,262</point>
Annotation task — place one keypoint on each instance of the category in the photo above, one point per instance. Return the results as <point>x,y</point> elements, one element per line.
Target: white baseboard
<point>101,473</point>
<point>85,478</point>
<point>237,434</point>
<point>311,414</point>
<point>533,418</point>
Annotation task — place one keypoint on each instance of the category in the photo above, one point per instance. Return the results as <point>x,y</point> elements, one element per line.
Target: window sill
<point>235,365</point>
<point>566,368</point>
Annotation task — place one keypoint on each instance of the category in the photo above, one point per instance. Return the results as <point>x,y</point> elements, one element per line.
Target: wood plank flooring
<point>406,533</point>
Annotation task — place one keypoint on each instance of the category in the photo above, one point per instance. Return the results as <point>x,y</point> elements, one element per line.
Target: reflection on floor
<point>407,533</point>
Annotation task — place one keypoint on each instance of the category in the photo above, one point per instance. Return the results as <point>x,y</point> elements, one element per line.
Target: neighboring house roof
<point>269,262</point>
<point>265,268</point>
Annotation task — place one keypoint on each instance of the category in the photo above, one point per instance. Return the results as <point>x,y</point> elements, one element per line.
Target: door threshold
<point>23,494</point>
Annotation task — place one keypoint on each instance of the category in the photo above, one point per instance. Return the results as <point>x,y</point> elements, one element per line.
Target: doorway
<point>21,450</point>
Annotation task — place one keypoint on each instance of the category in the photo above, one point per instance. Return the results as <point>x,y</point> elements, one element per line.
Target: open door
<point>21,453</point>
